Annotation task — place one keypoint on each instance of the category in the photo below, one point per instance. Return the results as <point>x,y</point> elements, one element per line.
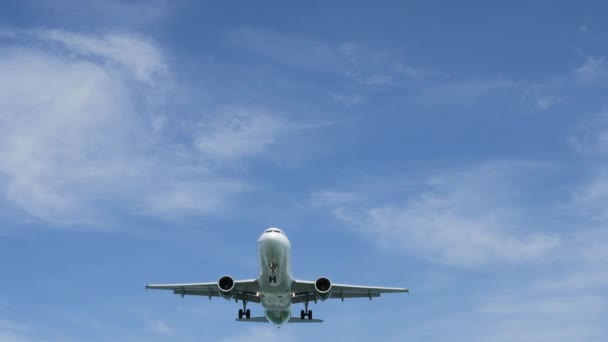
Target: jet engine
<point>323,288</point>
<point>226,287</point>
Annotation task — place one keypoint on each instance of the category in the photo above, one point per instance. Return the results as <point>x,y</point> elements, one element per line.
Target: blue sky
<point>460,150</point>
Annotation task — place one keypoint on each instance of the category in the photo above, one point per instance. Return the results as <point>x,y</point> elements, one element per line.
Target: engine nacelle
<point>226,287</point>
<point>323,288</point>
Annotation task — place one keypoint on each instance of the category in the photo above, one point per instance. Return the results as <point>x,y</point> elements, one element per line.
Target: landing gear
<point>244,311</point>
<point>306,313</point>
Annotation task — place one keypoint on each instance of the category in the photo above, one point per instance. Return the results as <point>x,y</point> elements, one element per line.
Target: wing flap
<point>305,290</point>
<point>244,289</point>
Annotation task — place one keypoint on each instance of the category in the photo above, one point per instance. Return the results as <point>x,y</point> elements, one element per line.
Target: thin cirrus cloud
<point>593,70</point>
<point>142,58</point>
<point>565,87</point>
<point>262,334</point>
<point>236,133</point>
<point>112,12</point>
<point>537,317</point>
<point>365,66</point>
<point>364,69</point>
<point>591,195</point>
<point>81,127</point>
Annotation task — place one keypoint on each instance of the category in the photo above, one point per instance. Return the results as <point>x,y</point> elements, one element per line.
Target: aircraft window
<point>274,231</point>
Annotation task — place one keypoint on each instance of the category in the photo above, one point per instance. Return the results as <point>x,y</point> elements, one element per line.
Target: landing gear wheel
<point>248,314</point>
<point>309,314</point>
<point>241,313</point>
<point>302,314</point>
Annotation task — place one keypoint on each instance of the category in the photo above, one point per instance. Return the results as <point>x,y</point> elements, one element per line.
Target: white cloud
<point>237,133</point>
<point>464,217</point>
<point>82,131</point>
<point>581,279</point>
<point>263,334</point>
<point>7,336</point>
<point>591,197</point>
<point>63,124</point>
<point>592,139</point>
<point>461,92</point>
<point>333,198</point>
<point>549,317</point>
<point>160,327</point>
<point>594,69</point>
<point>417,73</point>
<point>349,100</point>
<point>11,331</point>
<point>366,66</point>
<point>111,13</point>
<point>179,197</point>
<point>289,50</point>
<point>546,102</point>
<point>135,53</point>
<point>591,194</point>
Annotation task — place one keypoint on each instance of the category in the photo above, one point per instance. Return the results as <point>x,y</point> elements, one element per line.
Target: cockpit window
<point>273,231</point>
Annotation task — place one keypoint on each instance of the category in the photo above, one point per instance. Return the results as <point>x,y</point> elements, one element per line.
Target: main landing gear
<point>244,311</point>
<point>306,313</point>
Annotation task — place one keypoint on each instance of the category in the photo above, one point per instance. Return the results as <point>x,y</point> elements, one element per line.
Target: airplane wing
<point>243,289</point>
<point>305,290</point>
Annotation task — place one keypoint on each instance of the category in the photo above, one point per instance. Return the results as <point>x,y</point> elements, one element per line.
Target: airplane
<point>276,289</point>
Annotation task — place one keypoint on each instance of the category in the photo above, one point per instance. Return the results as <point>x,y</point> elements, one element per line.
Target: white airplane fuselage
<point>275,281</point>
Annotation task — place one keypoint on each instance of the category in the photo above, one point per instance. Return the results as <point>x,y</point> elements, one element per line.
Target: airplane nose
<point>273,240</point>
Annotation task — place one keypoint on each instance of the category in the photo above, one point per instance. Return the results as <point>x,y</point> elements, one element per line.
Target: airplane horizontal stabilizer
<point>291,320</point>
<point>253,320</point>
<point>299,320</point>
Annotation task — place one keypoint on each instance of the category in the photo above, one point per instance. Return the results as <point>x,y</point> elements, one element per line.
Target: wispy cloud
<point>546,102</point>
<point>144,59</point>
<point>462,92</point>
<point>237,133</point>
<point>160,327</point>
<point>353,61</point>
<point>592,195</point>
<point>349,100</point>
<point>538,317</point>
<point>82,130</point>
<point>11,331</point>
<point>262,334</point>
<point>289,50</point>
<point>567,86</point>
<point>465,217</point>
<point>592,138</point>
<point>330,198</point>
<point>113,13</point>
<point>593,70</point>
